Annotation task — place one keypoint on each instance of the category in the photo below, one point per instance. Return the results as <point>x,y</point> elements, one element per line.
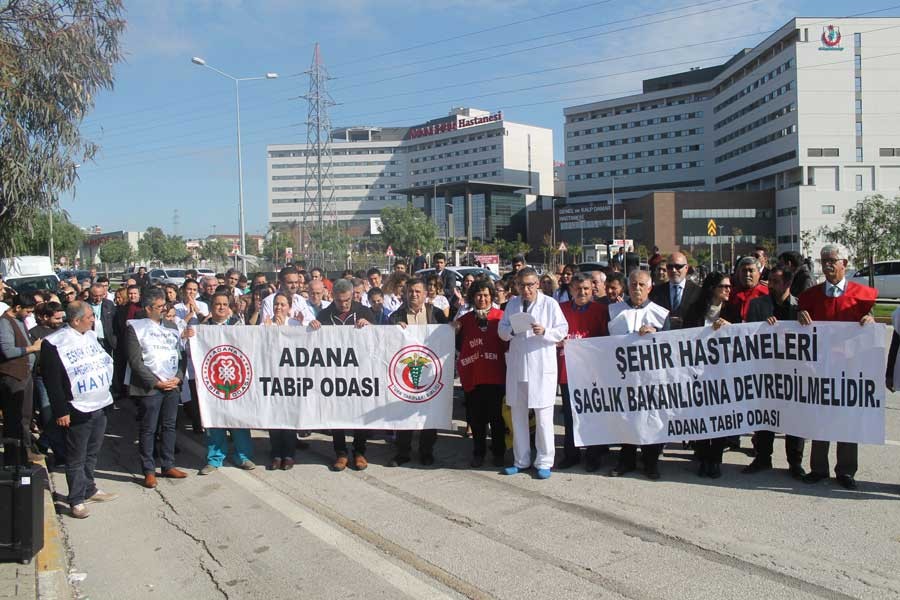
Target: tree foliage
<point>55,56</point>
<point>157,246</point>
<point>406,228</point>
<point>870,230</point>
<point>67,237</point>
<point>215,249</point>
<point>117,252</point>
<point>509,249</point>
<point>332,240</point>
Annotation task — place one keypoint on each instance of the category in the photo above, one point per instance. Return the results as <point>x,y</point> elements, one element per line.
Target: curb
<point>52,563</point>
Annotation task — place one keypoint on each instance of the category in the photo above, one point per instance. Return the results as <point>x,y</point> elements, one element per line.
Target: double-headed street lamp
<point>237,96</point>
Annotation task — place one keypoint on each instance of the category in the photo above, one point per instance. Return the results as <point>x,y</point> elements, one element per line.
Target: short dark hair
<point>260,274</point>
<point>477,286</point>
<point>373,271</point>
<point>787,273</point>
<point>415,281</point>
<point>133,287</point>
<point>287,271</point>
<point>616,276</point>
<point>791,256</point>
<point>221,294</point>
<point>191,273</point>
<point>152,295</point>
<point>375,291</point>
<point>319,269</point>
<point>231,272</point>
<point>101,279</point>
<point>48,309</point>
<point>518,258</point>
<point>438,256</point>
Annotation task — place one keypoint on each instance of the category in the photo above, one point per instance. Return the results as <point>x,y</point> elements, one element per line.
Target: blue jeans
<point>217,446</point>
<point>159,408</point>
<point>84,438</point>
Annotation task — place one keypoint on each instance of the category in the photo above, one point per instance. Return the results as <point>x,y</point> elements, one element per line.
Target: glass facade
<point>507,215</point>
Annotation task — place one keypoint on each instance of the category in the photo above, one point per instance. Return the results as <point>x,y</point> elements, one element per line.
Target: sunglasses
<point>675,266</point>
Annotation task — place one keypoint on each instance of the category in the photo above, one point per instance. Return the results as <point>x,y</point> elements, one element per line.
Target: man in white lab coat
<point>532,324</point>
<point>637,314</point>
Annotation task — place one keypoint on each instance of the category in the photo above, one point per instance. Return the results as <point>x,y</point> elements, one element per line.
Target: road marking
<point>345,543</point>
<point>892,442</point>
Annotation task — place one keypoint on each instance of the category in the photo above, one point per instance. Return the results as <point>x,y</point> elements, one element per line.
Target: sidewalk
<point>46,576</point>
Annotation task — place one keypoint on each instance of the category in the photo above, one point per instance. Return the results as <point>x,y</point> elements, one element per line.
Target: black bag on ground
<point>21,504</point>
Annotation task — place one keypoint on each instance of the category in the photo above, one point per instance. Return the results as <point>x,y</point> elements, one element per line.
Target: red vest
<point>856,302</point>
<point>584,322</point>
<point>482,355</point>
<point>740,301</point>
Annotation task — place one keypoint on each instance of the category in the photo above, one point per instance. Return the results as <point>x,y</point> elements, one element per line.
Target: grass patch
<point>884,310</point>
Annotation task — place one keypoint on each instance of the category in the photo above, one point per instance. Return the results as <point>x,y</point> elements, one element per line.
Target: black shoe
<point>846,482</point>
<point>714,470</point>
<point>813,477</point>
<point>620,470</point>
<point>757,466</point>
<point>398,460</point>
<point>477,461</point>
<point>703,471</point>
<point>568,462</point>
<point>426,460</point>
<point>796,472</point>
<point>652,473</point>
<point>500,460</point>
<point>592,464</point>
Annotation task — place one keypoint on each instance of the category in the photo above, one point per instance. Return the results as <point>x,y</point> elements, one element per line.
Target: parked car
<point>589,267</point>
<point>80,274</point>
<point>461,272</point>
<point>166,275</point>
<point>887,278</point>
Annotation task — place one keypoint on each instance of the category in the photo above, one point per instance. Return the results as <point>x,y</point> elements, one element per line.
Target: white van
<point>28,273</point>
<point>887,278</point>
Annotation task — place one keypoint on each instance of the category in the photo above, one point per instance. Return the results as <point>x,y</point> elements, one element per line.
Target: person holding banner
<point>289,286</point>
<point>677,293</point>
<point>416,312</point>
<point>533,324</point>
<point>637,314</point>
<point>706,311</point>
<point>779,305</point>
<point>344,311</point>
<point>835,299</point>
<point>482,371</point>
<point>78,374</point>
<point>586,318</point>
<point>157,368</point>
<point>892,377</point>
<point>283,441</point>
<point>747,287</point>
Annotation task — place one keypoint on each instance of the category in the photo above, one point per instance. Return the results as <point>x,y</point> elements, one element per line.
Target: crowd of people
<point>70,355</point>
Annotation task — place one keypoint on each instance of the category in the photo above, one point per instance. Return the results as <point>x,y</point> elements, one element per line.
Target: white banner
<point>377,377</point>
<point>822,382</point>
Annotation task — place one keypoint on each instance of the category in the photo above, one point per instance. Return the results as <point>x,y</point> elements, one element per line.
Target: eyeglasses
<point>675,267</point>
<point>533,284</point>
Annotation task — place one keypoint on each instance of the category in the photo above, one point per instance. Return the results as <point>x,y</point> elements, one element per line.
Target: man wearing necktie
<point>678,294</point>
<point>836,299</point>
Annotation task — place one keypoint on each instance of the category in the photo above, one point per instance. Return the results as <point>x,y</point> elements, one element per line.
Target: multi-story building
<point>811,112</point>
<point>375,167</point>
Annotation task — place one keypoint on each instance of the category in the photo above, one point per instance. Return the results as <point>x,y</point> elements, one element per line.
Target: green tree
<point>117,252</point>
<point>332,240</point>
<point>406,228</point>
<point>870,231</point>
<point>508,249</point>
<point>67,237</point>
<point>156,245</point>
<point>55,56</point>
<point>275,243</point>
<point>215,249</point>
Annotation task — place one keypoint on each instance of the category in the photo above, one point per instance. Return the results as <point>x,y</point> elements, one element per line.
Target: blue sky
<point>167,130</point>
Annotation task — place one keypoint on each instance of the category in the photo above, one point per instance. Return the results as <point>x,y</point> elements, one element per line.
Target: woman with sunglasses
<point>708,312</point>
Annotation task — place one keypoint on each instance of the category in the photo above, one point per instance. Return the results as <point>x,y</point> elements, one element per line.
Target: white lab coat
<point>624,318</point>
<point>532,358</point>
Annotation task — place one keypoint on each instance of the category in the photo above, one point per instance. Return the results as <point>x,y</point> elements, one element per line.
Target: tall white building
<point>811,112</point>
<point>375,167</point>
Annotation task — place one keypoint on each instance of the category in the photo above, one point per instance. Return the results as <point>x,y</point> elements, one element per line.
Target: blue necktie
<point>676,297</point>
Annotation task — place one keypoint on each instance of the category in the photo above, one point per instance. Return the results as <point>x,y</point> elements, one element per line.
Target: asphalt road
<point>449,531</point>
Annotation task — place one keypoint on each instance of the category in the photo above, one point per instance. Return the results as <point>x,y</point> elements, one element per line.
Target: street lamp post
<point>237,96</point>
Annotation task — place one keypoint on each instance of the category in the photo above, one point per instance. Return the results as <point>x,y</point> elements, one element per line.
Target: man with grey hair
<point>598,284</point>
<point>208,285</point>
<point>78,374</point>
<point>835,299</point>
<point>637,314</point>
<point>747,286</point>
<point>346,311</point>
<point>104,312</point>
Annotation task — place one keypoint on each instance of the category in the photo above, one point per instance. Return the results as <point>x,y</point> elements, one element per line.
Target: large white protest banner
<point>376,377</point>
<point>822,382</point>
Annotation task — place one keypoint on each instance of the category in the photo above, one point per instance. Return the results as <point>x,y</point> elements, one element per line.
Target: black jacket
<point>661,295</point>
<point>762,308</point>
<point>143,381</point>
<point>432,315</point>
<point>107,317</point>
<point>802,281</point>
<point>330,316</point>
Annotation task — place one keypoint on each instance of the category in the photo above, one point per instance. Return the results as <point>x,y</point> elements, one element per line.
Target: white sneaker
<point>101,496</point>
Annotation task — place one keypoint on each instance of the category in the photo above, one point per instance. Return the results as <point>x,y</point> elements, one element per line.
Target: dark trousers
<point>711,450</point>
<point>793,448</point>
<point>120,362</point>
<point>192,408</point>
<point>17,401</point>
<point>649,455</point>
<point>570,450</point>
<point>427,438</point>
<point>283,443</point>
<point>159,408</point>
<point>84,438</point>
<point>339,441</point>
<point>484,407</point>
<point>847,458</point>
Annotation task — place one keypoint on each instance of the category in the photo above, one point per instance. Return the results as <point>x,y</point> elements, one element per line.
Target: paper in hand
<point>521,322</point>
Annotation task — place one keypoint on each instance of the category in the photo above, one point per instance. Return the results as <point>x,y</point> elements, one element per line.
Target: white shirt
<point>440,302</point>
<point>624,318</point>
<point>298,307</point>
<point>835,291</point>
<point>182,310</point>
<point>392,302</point>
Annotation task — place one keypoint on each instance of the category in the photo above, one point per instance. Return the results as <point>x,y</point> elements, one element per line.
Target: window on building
<point>814,152</point>
<point>857,62</point>
<point>859,128</point>
<point>811,177</point>
<point>828,209</point>
<point>859,154</point>
<point>857,39</point>
<point>831,152</point>
<point>859,183</point>
<point>859,107</point>
<point>858,84</point>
